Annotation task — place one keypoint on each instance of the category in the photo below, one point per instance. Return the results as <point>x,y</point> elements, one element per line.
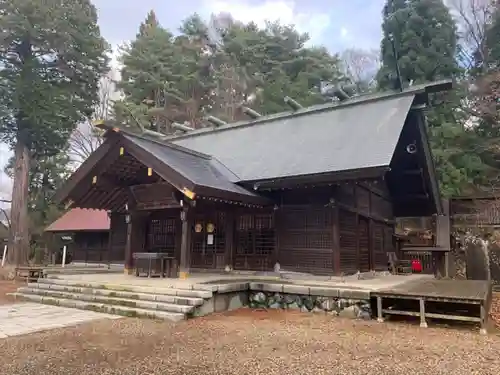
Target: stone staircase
<point>131,301</point>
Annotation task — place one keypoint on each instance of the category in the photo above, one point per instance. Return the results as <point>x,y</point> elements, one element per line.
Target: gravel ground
<point>251,342</point>
<point>495,309</point>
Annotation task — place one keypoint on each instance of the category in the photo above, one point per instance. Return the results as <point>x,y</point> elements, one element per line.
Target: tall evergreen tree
<point>52,56</point>
<point>425,38</point>
<point>216,67</point>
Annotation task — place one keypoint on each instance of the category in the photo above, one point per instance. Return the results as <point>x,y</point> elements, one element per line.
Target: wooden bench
<point>30,274</point>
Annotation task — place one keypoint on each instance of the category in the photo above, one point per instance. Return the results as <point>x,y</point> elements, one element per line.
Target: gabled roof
<point>200,169</point>
<point>78,219</point>
<point>182,168</point>
<point>358,136</point>
<point>359,133</point>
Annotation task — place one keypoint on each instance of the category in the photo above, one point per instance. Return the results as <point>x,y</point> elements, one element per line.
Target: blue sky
<point>337,24</point>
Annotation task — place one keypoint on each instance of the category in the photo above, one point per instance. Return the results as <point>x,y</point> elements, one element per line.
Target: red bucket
<point>416,266</point>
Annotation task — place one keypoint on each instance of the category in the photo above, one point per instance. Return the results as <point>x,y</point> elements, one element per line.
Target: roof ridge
<point>361,99</point>
<point>168,144</point>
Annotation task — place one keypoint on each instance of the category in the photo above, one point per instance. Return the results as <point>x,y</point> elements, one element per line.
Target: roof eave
<point>320,178</point>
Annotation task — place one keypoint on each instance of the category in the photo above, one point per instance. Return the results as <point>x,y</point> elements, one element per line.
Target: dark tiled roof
<point>202,170</point>
<point>79,219</point>
<point>362,133</point>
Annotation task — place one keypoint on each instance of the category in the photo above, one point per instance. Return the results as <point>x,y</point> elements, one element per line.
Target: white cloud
<point>314,23</point>
<point>343,32</point>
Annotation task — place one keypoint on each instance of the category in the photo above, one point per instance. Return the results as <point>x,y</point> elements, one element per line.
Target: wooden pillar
<point>129,262</point>
<point>135,238</point>
<point>185,243</point>
<point>356,205</point>
<point>336,239</point>
<point>443,234</point>
<point>110,242</point>
<point>229,250</point>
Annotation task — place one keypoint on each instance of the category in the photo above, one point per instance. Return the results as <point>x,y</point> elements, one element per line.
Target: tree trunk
<point>18,253</point>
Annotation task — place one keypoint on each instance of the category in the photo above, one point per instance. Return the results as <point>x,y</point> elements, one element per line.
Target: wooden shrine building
<point>91,238</point>
<point>314,189</point>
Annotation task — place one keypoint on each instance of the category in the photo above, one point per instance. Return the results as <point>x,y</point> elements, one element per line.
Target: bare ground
<point>251,342</point>
<point>7,286</point>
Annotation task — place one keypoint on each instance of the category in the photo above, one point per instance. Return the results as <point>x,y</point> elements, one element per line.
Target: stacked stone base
<point>336,306</point>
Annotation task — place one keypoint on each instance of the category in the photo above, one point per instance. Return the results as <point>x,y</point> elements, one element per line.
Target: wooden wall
<point>89,247</point>
<point>325,230</point>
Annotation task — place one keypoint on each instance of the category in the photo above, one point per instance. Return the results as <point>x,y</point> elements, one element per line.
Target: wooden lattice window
<point>255,235</point>
<point>161,235</point>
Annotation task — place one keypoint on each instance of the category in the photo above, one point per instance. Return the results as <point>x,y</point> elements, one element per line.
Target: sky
<point>336,24</point>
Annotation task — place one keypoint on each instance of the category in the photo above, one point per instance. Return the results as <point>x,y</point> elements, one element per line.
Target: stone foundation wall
<point>335,306</point>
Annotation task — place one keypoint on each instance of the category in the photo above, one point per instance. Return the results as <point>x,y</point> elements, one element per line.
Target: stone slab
<point>24,318</point>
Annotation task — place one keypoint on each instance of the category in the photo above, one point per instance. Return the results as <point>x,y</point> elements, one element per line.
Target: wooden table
<point>437,254</point>
<point>149,263</point>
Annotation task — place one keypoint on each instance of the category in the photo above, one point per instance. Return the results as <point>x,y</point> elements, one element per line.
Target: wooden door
<point>208,241</point>
<point>364,260</point>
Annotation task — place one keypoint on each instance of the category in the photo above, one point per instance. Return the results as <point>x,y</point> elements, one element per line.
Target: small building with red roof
<point>91,235</point>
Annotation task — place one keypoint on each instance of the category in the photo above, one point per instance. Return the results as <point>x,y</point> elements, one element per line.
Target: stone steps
<point>100,307</point>
<point>154,297</point>
<point>190,293</point>
<point>126,300</point>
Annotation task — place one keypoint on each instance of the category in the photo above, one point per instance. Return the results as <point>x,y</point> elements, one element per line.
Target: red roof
<point>79,219</point>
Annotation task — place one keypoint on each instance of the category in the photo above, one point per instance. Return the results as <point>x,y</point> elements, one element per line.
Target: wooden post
<point>336,239</point>
<point>230,217</point>
<point>423,322</point>
<point>184,256</point>
<point>4,256</point>
<point>129,261</point>
<point>443,234</point>
<point>484,318</point>
<point>380,316</point>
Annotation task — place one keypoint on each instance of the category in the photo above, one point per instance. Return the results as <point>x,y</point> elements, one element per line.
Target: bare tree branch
<point>473,17</point>
<point>85,138</point>
<point>361,66</point>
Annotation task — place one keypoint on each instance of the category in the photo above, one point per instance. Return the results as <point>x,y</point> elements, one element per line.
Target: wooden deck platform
<point>459,300</point>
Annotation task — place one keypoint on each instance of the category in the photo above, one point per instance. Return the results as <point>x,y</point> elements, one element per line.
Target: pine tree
<point>52,56</point>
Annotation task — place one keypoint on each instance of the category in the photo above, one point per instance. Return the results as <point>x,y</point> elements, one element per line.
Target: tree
<point>52,56</point>
<point>425,36</point>
<point>473,19</point>
<point>426,41</point>
<point>360,67</point>
<point>86,138</point>
<point>216,68</point>
<point>47,175</point>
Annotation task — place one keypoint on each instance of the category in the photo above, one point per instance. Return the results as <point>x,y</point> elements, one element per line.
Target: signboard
<point>66,238</point>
